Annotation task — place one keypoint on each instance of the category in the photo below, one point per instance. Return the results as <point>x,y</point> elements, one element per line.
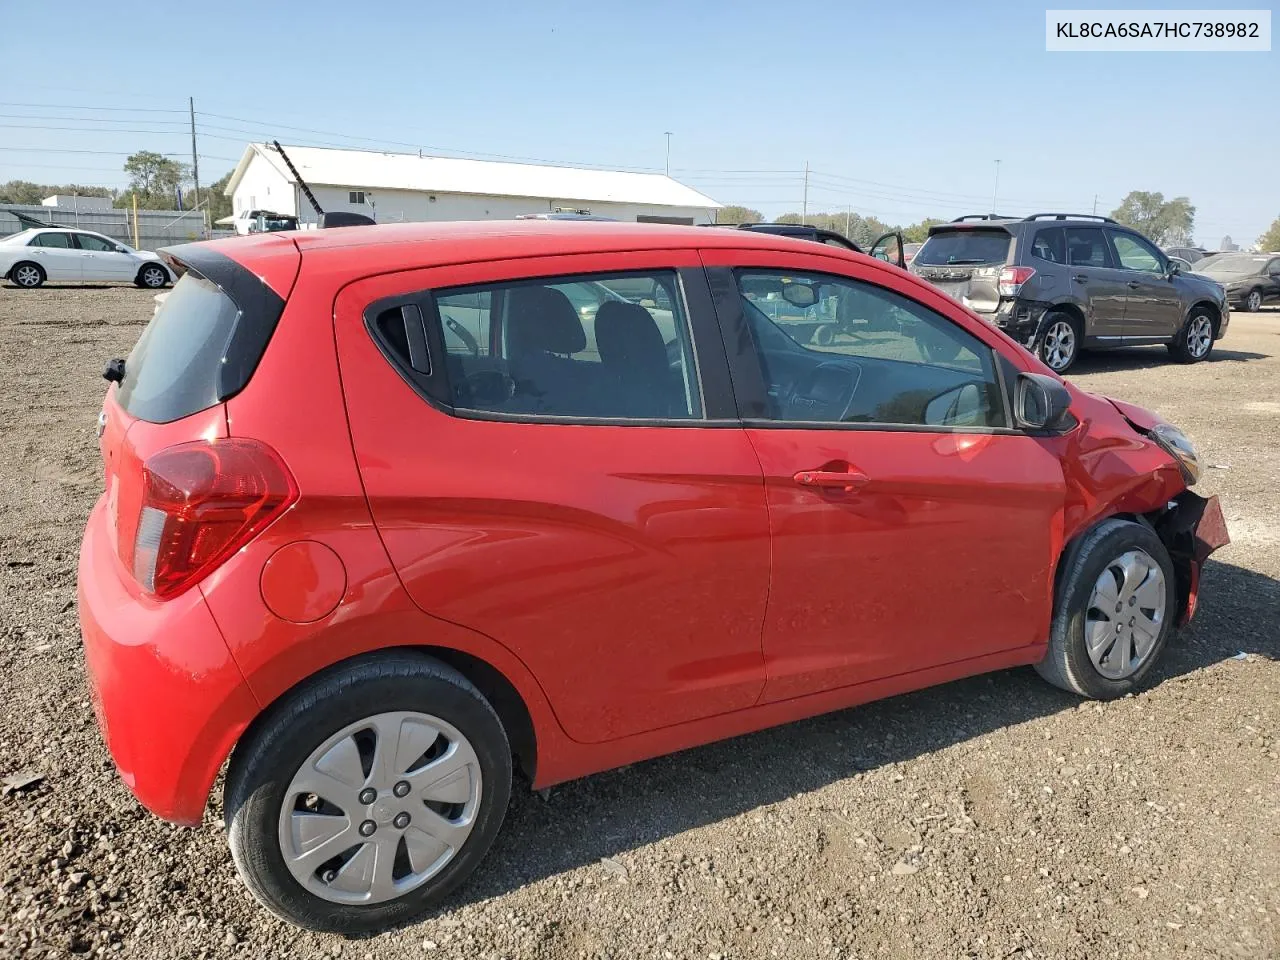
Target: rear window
<point>964,246</point>
<point>173,369</point>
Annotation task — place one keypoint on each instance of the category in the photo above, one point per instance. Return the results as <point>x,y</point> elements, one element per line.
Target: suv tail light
<point>1012,279</point>
<point>201,502</point>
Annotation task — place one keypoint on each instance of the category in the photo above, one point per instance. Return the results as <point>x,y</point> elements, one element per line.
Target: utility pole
<point>804,206</point>
<point>668,136</point>
<point>995,196</point>
<point>848,214</point>
<point>1095,204</point>
<point>195,157</point>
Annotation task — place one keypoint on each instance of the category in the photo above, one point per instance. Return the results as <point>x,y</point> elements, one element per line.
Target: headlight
<point>1179,446</point>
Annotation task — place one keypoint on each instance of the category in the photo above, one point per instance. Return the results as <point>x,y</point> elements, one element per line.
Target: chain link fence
<point>155,228</point>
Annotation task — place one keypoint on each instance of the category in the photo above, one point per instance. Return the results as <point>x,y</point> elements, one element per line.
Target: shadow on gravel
<point>613,812</point>
<point>1139,358</point>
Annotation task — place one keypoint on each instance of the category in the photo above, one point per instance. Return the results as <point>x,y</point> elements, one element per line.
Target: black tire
<point>824,335</point>
<point>20,272</point>
<point>152,276</point>
<point>1252,302</point>
<point>1049,333</point>
<point>1188,345</point>
<point>266,760</point>
<point>1067,663</point>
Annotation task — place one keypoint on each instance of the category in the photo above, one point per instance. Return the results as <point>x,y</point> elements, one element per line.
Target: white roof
<point>408,171</point>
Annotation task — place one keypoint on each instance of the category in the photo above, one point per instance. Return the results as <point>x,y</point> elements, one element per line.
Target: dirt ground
<point>995,817</point>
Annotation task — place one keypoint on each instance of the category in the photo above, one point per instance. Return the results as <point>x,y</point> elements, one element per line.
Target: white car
<point>29,258</point>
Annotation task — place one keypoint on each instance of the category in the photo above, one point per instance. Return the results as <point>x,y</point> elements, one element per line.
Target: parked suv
<point>1059,283</point>
<point>387,509</point>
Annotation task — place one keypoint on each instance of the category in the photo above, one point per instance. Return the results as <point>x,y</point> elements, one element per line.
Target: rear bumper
<point>169,700</point>
<point>1020,319</point>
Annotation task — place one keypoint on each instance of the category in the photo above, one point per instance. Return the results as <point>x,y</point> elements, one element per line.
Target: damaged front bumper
<point>1191,528</point>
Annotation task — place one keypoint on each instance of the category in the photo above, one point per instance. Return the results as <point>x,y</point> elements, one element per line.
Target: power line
<point>61,106</point>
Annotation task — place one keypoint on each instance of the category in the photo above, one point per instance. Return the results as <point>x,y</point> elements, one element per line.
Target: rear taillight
<point>1012,279</point>
<point>201,502</point>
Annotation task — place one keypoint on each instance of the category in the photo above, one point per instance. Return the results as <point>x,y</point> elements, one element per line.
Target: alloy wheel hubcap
<point>1199,336</point>
<point>28,276</point>
<point>380,808</point>
<point>1059,345</point>
<point>1255,301</point>
<point>1125,613</point>
<point>153,278</point>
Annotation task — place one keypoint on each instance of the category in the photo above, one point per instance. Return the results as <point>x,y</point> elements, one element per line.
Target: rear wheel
<point>1114,611</point>
<point>1194,341</point>
<point>1059,344</point>
<point>367,797</point>
<point>1253,302</point>
<point>27,275</point>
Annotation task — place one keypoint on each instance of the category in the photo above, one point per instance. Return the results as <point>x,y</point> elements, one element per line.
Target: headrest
<point>540,318</point>
<point>626,333</point>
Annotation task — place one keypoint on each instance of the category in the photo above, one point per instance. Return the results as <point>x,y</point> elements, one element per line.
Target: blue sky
<point>900,109</point>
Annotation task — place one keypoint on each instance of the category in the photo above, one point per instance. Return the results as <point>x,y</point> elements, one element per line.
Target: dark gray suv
<point>1059,283</point>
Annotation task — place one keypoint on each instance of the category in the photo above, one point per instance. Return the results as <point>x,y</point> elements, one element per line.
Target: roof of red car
<point>460,241</point>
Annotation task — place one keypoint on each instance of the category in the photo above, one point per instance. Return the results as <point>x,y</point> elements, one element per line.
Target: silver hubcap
<point>1199,336</point>
<point>153,277</point>
<point>380,808</point>
<point>27,276</point>
<point>1255,301</point>
<point>1059,345</point>
<point>1126,611</point>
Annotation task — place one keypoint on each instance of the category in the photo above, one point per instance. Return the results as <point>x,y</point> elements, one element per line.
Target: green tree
<point>919,232</point>
<point>1270,240</point>
<point>1167,222</point>
<point>731,214</point>
<point>215,199</point>
<point>155,179</point>
<point>24,191</point>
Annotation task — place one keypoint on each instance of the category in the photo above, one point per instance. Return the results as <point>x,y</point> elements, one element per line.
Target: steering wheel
<point>463,334</point>
<point>825,393</point>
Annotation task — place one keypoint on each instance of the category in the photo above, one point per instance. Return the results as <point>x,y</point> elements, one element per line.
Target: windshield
<point>964,246</point>
<point>1232,263</point>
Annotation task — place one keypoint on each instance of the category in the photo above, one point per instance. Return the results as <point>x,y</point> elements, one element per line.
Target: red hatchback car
<point>390,510</point>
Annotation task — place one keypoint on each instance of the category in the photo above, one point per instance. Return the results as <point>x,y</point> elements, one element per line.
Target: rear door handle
<point>847,480</point>
<point>1080,278</point>
<point>1133,284</point>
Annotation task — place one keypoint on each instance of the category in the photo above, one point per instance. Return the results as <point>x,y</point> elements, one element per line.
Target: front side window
<point>88,241</point>
<point>58,241</point>
<point>592,347</point>
<point>1134,253</point>
<point>835,350</point>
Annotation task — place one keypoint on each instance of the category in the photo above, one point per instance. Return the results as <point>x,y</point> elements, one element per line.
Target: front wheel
<point>1194,341</point>
<point>1059,344</point>
<point>363,800</point>
<point>153,277</point>
<point>1113,613</point>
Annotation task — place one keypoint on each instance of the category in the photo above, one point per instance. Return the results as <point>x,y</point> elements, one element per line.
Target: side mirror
<point>1041,402</point>
<point>1173,269</point>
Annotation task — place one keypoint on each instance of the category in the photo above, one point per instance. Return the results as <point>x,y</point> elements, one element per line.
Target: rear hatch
<point>964,262</point>
<point>179,492</point>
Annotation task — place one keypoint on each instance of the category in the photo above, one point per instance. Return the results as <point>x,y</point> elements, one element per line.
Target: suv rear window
<point>174,368</point>
<point>964,246</point>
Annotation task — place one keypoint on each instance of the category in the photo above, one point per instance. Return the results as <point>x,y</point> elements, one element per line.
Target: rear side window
<point>964,246</point>
<point>1050,245</point>
<point>174,369</point>
<point>56,240</point>
<point>613,347</point>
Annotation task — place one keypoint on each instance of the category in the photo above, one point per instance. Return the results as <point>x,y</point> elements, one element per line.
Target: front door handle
<point>847,480</point>
<point>1080,278</point>
<point>1133,284</point>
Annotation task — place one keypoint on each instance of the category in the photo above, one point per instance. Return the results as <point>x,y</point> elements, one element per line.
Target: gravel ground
<point>994,817</point>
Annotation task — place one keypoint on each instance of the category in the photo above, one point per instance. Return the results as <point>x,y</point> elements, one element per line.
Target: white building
<point>63,201</point>
<point>396,187</point>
